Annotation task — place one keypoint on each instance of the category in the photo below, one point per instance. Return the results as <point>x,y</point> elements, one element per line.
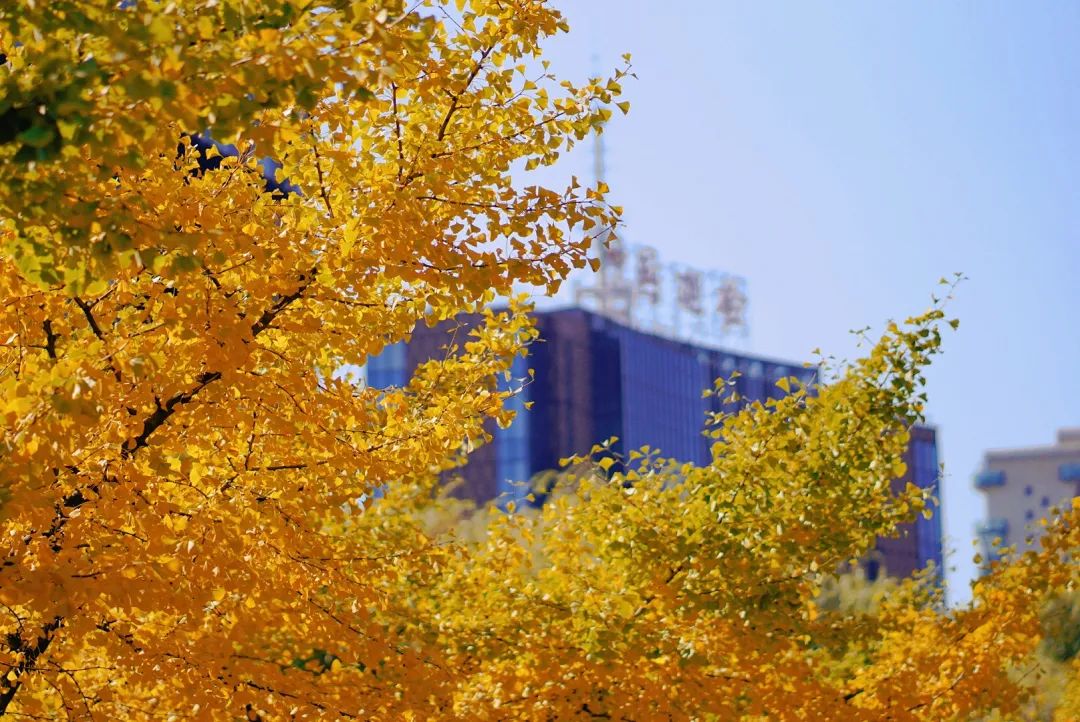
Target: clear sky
<point>843,156</point>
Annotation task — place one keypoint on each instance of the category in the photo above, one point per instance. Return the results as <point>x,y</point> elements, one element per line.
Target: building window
<point>1028,490</point>
<point>989,478</point>
<point>1069,472</point>
<point>1045,502</point>
<point>989,532</point>
<point>997,527</point>
<point>1029,515</point>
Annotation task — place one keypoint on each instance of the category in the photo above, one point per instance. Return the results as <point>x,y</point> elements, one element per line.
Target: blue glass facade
<point>388,368</point>
<point>924,473</point>
<point>512,450</point>
<point>596,379</point>
<point>919,542</point>
<point>647,390</point>
<point>660,392</point>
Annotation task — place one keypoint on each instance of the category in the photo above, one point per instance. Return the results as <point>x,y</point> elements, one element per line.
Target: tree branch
<point>77,498</point>
<point>318,167</point>
<point>282,303</point>
<point>397,131</point>
<point>50,338</point>
<point>85,308</point>
<point>31,653</point>
<point>456,96</point>
<point>164,411</point>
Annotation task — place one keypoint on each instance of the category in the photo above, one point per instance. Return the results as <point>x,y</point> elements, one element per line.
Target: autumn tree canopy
<point>201,520</point>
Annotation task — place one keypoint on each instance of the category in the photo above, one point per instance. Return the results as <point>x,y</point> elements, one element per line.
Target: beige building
<point>1022,486</point>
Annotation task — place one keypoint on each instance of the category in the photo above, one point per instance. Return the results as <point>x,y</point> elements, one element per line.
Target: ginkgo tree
<point>202,520</point>
<point>673,591</point>
<point>180,461</point>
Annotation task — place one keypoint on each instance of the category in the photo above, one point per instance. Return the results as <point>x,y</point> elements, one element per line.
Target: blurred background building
<point>1022,486</point>
<point>597,378</point>
<point>920,541</point>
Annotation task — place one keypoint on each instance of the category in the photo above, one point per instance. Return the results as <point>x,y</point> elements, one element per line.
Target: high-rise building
<point>596,378</point>
<point>917,542</point>
<point>1021,486</point>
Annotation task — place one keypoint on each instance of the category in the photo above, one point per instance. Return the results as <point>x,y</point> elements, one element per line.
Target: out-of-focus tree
<point>1057,678</point>
<point>1061,627</point>
<point>1047,680</point>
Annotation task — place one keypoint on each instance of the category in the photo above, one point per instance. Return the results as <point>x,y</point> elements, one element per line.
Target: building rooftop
<point>1068,444</point>
<point>703,346</point>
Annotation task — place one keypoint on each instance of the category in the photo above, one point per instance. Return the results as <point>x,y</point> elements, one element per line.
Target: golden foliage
<point>201,520</point>
<point>180,463</point>
<point>678,592</point>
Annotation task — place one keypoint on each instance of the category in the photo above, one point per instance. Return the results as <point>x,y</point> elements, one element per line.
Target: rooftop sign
<point>635,287</point>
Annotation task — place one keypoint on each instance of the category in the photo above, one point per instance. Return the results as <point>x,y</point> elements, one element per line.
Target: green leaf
<point>38,136</point>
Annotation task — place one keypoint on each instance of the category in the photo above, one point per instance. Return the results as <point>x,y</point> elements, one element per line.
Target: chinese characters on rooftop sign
<point>635,287</point>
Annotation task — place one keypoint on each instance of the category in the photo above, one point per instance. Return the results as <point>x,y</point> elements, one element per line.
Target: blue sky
<point>843,157</point>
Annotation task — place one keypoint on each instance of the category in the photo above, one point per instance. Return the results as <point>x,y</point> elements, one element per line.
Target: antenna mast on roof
<point>614,296</point>
<point>634,286</point>
<point>599,171</point>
